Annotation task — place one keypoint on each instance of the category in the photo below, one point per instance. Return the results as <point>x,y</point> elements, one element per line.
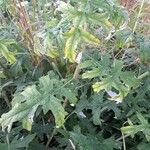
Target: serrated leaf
<point>70,33</point>
<point>38,49</point>
<point>18,143</point>
<point>84,142</point>
<point>131,130</point>
<point>69,95</point>
<point>49,49</point>
<point>85,64</point>
<point>9,56</point>
<point>103,85</point>
<point>70,49</point>
<point>111,77</point>
<point>99,19</point>
<point>143,127</point>
<point>88,37</point>
<point>91,74</point>
<point>145,52</point>
<point>96,106</point>
<point>141,118</point>
<point>34,96</point>
<point>52,53</point>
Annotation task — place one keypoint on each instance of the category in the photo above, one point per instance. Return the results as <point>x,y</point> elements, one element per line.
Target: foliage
<point>74,75</point>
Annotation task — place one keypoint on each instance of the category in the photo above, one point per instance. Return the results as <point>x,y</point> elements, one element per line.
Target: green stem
<point>51,137</point>
<point>147,73</point>
<point>138,16</point>
<point>8,142</point>
<point>124,143</point>
<point>4,95</point>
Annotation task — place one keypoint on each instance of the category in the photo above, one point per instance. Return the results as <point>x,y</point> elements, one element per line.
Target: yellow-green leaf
<point>70,49</point>
<point>91,74</point>
<point>88,37</point>
<point>52,53</point>
<point>9,56</point>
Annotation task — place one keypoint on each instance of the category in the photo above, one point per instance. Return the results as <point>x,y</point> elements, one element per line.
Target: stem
<point>138,16</point>
<point>77,70</point>
<point>147,73</point>
<point>50,138</point>
<point>8,142</point>
<point>76,73</point>
<point>124,143</point>
<point>70,115</point>
<point>119,139</point>
<point>4,95</point>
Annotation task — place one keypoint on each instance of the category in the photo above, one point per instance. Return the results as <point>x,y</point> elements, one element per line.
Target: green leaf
<point>69,95</point>
<point>96,106</point>
<point>143,127</point>
<point>9,56</point>
<point>84,142</point>
<point>88,37</point>
<point>18,143</point>
<point>91,74</point>
<point>27,124</point>
<point>111,77</point>
<point>50,50</point>
<point>70,49</point>
<point>103,85</point>
<point>44,95</point>
<point>38,49</point>
<point>2,75</point>
<point>99,19</point>
<point>85,64</point>
<point>145,52</point>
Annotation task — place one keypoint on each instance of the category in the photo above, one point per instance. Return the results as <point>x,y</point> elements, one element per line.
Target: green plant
<point>73,75</point>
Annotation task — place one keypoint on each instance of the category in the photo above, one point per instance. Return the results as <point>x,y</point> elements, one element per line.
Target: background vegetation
<point>74,75</point>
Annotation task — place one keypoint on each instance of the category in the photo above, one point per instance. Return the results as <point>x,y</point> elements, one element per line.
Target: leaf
<point>9,56</point>
<point>38,49</point>
<point>27,124</point>
<point>71,44</point>
<point>103,85</point>
<point>96,106</point>
<point>99,19</point>
<point>88,37</point>
<point>91,74</point>
<point>2,75</point>
<point>143,127</point>
<point>52,53</point>
<point>34,96</point>
<point>145,52</point>
<point>49,49</point>
<point>70,50</point>
<point>85,64</point>
<point>84,142</point>
<point>143,146</point>
<point>17,143</point>
<point>69,95</point>
<point>23,142</point>
<point>112,78</point>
